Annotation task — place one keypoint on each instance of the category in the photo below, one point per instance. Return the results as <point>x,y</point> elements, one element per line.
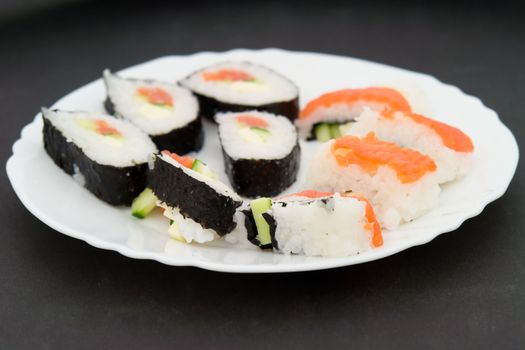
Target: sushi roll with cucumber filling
<point>261,152</point>
<point>167,112</point>
<point>107,156</point>
<point>322,117</point>
<point>314,223</point>
<point>200,206</point>
<point>242,86</point>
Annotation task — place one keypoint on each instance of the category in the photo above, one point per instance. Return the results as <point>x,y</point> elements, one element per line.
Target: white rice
<point>217,185</point>
<point>242,143</point>
<point>154,120</point>
<point>269,87</point>
<point>314,228</point>
<point>338,112</point>
<point>394,202</point>
<point>134,147</point>
<point>405,132</point>
<point>188,228</point>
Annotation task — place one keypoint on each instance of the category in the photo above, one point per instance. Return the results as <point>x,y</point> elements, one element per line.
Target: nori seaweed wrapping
<point>193,198</point>
<point>114,185</point>
<point>251,229</point>
<point>262,177</point>
<point>209,106</point>
<point>188,138</point>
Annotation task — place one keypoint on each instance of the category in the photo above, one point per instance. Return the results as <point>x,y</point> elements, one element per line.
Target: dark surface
<point>465,289</point>
<point>192,197</point>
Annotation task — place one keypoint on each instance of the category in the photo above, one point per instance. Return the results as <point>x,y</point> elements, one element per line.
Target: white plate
<point>58,201</point>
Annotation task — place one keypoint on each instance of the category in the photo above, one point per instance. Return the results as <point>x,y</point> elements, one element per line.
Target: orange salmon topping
<point>156,96</point>
<point>310,194</point>
<point>452,137</point>
<point>103,128</point>
<point>251,121</point>
<point>227,75</point>
<point>390,98</point>
<point>370,153</point>
<point>373,224</point>
<point>186,161</point>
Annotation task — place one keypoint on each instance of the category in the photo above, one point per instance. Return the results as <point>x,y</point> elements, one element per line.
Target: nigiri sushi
<point>399,182</point>
<point>448,146</point>
<point>321,117</point>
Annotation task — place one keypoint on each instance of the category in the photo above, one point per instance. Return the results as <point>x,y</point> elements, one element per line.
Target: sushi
<point>321,117</point>
<point>168,113</point>
<point>107,156</point>
<point>242,86</point>
<point>448,146</point>
<point>400,182</point>
<point>261,152</point>
<point>199,205</point>
<point>314,223</point>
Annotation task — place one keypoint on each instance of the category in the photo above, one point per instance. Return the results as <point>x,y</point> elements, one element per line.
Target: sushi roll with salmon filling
<point>200,206</point>
<point>448,146</point>
<point>261,152</point>
<point>314,223</point>
<point>242,86</point>
<point>107,156</point>
<point>321,118</point>
<point>167,112</point>
<point>400,182</point>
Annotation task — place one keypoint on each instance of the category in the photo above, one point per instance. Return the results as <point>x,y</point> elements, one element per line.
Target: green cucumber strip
<point>143,204</point>
<point>335,132</point>
<point>322,132</point>
<point>264,134</point>
<point>202,168</point>
<point>86,124</point>
<point>259,206</point>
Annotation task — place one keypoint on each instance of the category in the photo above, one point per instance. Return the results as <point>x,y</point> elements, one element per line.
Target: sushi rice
<point>394,200</point>
<point>423,134</point>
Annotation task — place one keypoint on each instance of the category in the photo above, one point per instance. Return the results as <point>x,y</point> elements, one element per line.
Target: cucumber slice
<point>335,132</point>
<point>322,132</point>
<point>202,168</point>
<point>174,232</point>
<point>263,134</point>
<point>259,206</point>
<point>143,204</point>
<point>87,124</point>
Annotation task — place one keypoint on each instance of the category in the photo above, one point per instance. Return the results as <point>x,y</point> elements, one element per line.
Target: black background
<point>465,289</point>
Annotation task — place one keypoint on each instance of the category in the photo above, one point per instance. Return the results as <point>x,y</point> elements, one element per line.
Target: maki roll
<point>199,205</point>
<point>261,152</point>
<point>322,117</point>
<point>241,86</point>
<point>105,155</point>
<point>400,182</point>
<point>314,223</point>
<point>168,113</point>
<point>448,146</point>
